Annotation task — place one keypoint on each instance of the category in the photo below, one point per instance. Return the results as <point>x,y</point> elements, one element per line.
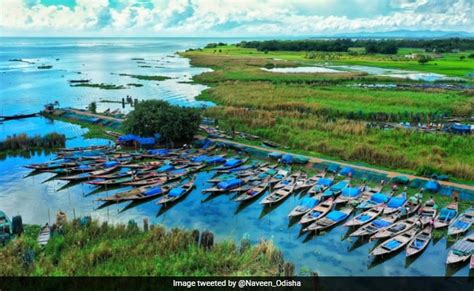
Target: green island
<point>100,249</point>
<point>324,115</point>
<point>100,86</point>
<point>146,77</point>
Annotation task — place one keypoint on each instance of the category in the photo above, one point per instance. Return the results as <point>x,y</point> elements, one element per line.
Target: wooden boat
<point>231,163</point>
<point>279,194</point>
<point>427,212</point>
<point>471,263</point>
<point>318,212</point>
<point>242,169</point>
<point>253,192</point>
<point>446,215</point>
<point>141,193</point>
<point>334,217</point>
<point>420,241</point>
<point>365,217</point>
<point>336,189</point>
<point>44,235</point>
<point>395,229</point>
<point>321,186</point>
<point>412,206</point>
<point>373,198</point>
<point>395,203</point>
<point>349,194</point>
<point>305,206</point>
<point>222,177</point>
<point>178,193</point>
<point>17,116</point>
<point>305,183</point>
<point>280,175</point>
<point>375,225</point>
<point>153,180</point>
<point>462,223</point>
<point>287,181</point>
<point>394,244</point>
<point>117,181</point>
<point>88,175</point>
<point>226,186</point>
<point>461,251</point>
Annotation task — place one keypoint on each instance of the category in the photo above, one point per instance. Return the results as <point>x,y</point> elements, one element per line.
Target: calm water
<point>24,88</point>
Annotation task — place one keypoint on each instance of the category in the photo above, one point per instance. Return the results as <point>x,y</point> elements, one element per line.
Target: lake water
<point>25,89</point>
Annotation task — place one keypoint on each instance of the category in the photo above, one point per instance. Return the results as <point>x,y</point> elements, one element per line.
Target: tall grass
<point>25,142</point>
<point>104,250</point>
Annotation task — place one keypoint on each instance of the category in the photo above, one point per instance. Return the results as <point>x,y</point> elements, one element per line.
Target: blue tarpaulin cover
<point>199,159</point>
<point>379,223</point>
<point>447,214</point>
<point>379,198</point>
<point>275,155</point>
<point>350,192</point>
<point>396,202</point>
<point>339,186</point>
<point>364,217</point>
<point>287,159</point>
<point>215,160</point>
<point>432,186</point>
<point>232,162</point>
<point>165,168</point>
<point>325,182</point>
<point>333,168</point>
<point>229,184</point>
<point>309,202</point>
<point>346,171</point>
<point>176,192</point>
<point>127,138</point>
<point>146,140</point>
<point>159,152</point>
<point>392,244</point>
<point>153,191</point>
<point>336,215</point>
<point>110,164</point>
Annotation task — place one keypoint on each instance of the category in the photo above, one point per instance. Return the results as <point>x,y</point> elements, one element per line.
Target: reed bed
<point>25,142</point>
<point>105,250</point>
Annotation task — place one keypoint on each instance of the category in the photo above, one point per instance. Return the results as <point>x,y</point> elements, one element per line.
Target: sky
<point>230,18</point>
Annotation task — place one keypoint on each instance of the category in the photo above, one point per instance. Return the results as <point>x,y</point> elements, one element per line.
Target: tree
<point>174,123</point>
<point>462,58</point>
<point>92,107</point>
<point>423,59</point>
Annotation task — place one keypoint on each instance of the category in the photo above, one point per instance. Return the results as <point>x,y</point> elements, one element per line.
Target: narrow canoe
<point>318,212</point>
<point>141,193</point>
<point>396,243</point>
<point>375,225</point>
<point>395,229</point>
<point>395,203</point>
<point>365,217</point>
<point>306,205</point>
<point>178,193</point>
<point>278,195</point>
<point>461,251</point>
<point>462,223</point>
<point>446,215</point>
<point>253,192</point>
<point>334,217</point>
<point>420,241</point>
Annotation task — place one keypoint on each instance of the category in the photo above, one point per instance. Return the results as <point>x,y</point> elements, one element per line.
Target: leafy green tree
<point>423,59</point>
<point>92,107</point>
<point>174,123</point>
<point>462,58</point>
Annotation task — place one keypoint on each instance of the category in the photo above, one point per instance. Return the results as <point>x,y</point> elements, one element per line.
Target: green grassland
<point>318,114</point>
<point>124,250</point>
<point>449,64</point>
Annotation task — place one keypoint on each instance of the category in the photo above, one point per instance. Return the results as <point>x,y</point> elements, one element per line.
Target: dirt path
<point>389,174</point>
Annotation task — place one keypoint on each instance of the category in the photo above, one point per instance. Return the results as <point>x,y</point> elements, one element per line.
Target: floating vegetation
<point>145,66</point>
<point>100,86</point>
<point>137,59</point>
<point>79,81</point>
<point>134,85</point>
<point>21,60</point>
<point>44,67</point>
<point>146,77</point>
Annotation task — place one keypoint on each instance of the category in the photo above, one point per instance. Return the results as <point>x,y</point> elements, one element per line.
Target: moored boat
<point>446,215</point>
<point>374,199</point>
<point>394,244</point>
<point>226,186</point>
<point>321,186</point>
<point>140,193</point>
<point>306,183</point>
<point>365,217</point>
<point>178,193</point>
<point>279,194</point>
<point>305,206</point>
<point>428,212</point>
<point>461,251</point>
<point>462,223</point>
<point>420,241</point>
<point>253,192</point>
<point>336,189</point>
<point>349,194</point>
<point>318,212</point>
<point>395,203</point>
<point>290,180</point>
<point>375,225</point>
<point>88,175</point>
<point>331,219</point>
<point>395,229</point>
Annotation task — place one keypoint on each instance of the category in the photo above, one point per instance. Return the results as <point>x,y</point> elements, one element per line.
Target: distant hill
<point>402,34</point>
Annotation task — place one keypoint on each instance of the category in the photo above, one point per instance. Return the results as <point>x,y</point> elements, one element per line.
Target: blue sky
<point>229,18</point>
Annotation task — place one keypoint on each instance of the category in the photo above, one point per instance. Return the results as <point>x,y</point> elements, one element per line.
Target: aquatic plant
<point>104,250</point>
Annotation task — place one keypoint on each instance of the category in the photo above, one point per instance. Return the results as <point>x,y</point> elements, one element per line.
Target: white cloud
<point>224,17</point>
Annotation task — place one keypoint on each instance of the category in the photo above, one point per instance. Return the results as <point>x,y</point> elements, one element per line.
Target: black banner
<point>238,283</point>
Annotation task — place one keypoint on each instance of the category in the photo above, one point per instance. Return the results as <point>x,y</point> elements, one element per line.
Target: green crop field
<point>322,114</point>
